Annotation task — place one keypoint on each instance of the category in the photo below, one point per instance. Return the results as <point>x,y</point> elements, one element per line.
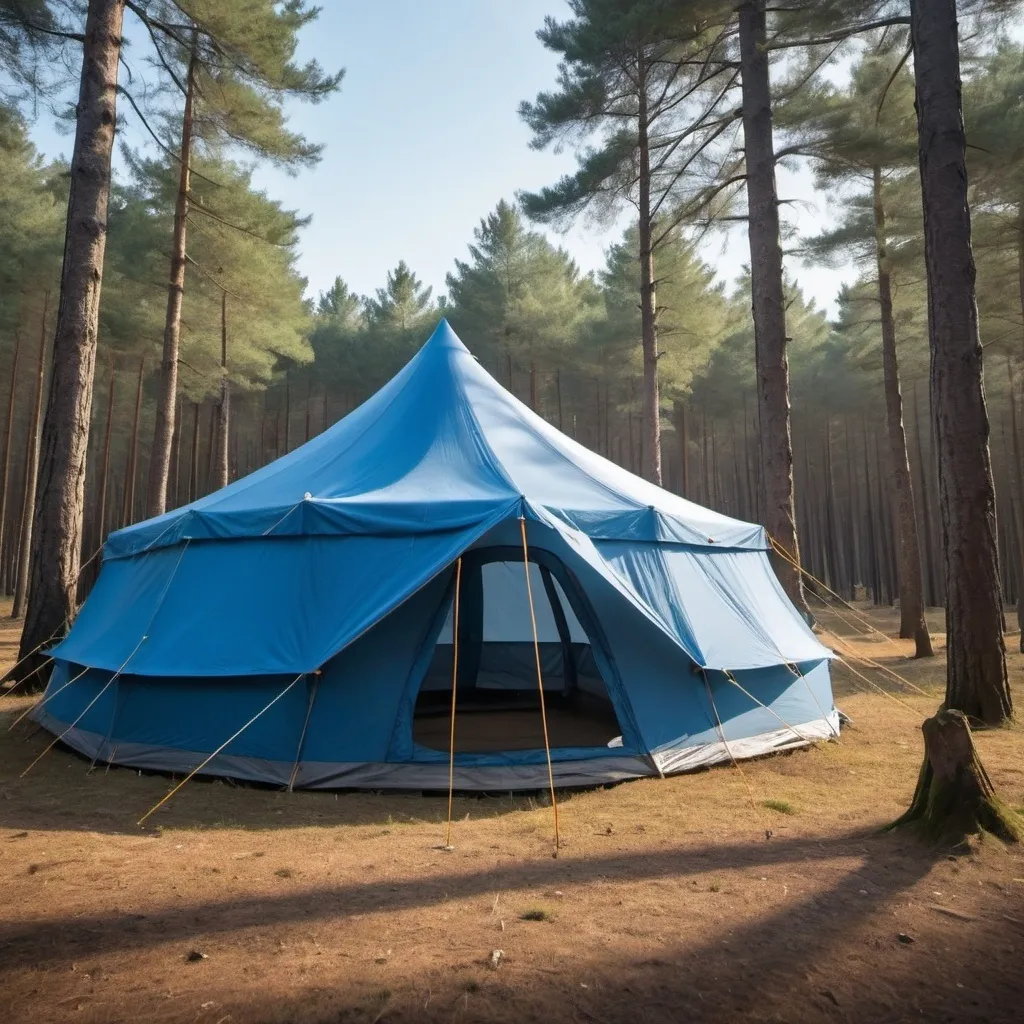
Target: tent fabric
<point>476,447</point>
<point>336,565</point>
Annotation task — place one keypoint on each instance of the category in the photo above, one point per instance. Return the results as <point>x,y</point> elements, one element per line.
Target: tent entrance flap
<point>497,699</point>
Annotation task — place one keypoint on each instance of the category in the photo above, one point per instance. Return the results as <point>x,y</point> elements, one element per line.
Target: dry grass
<point>666,903</point>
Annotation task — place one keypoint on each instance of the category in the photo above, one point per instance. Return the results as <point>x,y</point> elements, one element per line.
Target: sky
<point>424,139</point>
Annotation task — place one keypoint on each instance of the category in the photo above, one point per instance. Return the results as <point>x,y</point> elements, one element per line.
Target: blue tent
<point>315,600</point>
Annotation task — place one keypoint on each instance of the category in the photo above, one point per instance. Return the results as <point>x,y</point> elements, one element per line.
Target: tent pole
<point>540,679</point>
<point>305,726</point>
<point>455,682</point>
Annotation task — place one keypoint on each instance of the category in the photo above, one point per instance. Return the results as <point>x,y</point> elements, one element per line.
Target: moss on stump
<point>955,797</point>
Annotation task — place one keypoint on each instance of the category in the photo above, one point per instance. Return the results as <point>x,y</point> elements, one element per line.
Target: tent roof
<point>441,446</point>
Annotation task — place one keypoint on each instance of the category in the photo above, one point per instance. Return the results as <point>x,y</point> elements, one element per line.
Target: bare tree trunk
<point>533,385</point>
<point>57,538</point>
<point>5,473</point>
<point>976,681</point>
<point>101,513</point>
<point>911,583</point>
<point>1018,519</point>
<point>558,395</point>
<point>769,308</point>
<point>683,429</point>
<point>287,413</point>
<point>309,412</point>
<point>224,408</point>
<point>128,511</point>
<point>31,475</point>
<point>174,480</point>
<point>160,460</point>
<point>193,469</point>
<point>211,449</point>
<point>651,430</point>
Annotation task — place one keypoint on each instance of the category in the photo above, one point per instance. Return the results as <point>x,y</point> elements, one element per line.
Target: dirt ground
<point>667,902</point>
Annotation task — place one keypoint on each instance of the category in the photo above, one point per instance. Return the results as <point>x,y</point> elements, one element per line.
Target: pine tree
<point>976,681</point>
<point>517,299</point>
<point>861,141</point>
<point>233,65</point>
<point>646,78</point>
<point>56,543</point>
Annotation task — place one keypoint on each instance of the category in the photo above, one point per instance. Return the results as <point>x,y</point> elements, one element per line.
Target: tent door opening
<point>497,698</point>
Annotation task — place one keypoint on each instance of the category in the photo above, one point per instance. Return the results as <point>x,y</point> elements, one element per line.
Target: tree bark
<point>651,430</point>
<point>57,539</point>
<point>683,430</point>
<point>955,797</point>
<point>768,299</point>
<point>193,469</point>
<point>31,475</point>
<point>224,408</point>
<point>911,583</point>
<point>1018,519</point>
<point>160,460</point>
<point>976,681</point>
<point>131,472</point>
<point>101,514</point>
<point>5,473</point>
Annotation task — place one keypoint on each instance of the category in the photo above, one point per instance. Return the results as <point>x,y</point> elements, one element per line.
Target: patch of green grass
<point>782,806</point>
<point>536,914</point>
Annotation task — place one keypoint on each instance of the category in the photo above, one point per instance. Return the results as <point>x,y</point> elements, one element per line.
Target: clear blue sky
<point>424,139</point>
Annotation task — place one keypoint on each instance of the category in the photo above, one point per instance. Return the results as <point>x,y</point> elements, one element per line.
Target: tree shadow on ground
<point>57,938</point>
<point>835,955</point>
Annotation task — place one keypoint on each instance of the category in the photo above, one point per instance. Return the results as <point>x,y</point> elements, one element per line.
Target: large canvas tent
<point>315,600</point>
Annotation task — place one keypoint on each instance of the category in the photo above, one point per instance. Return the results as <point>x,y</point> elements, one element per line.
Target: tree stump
<point>955,797</point>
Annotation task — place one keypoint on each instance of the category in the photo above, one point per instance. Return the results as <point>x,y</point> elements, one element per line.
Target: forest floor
<point>666,904</point>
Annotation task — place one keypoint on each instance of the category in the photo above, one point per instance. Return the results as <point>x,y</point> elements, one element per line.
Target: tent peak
<point>445,337</point>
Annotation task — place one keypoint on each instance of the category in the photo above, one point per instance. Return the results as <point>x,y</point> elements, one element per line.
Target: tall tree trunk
<point>131,473</point>
<point>769,306</point>
<point>101,512</point>
<point>533,385</point>
<point>174,481</point>
<point>1018,519</point>
<point>5,472</point>
<point>976,681</point>
<point>224,408</point>
<point>558,395</point>
<point>57,538</point>
<point>31,474</point>
<point>683,429</point>
<point>193,469</point>
<point>309,413</point>
<point>211,449</point>
<point>911,583</point>
<point>651,431</point>
<point>167,396</point>
<point>287,412</point>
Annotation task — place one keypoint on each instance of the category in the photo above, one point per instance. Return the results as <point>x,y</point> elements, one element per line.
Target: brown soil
<point>668,903</point>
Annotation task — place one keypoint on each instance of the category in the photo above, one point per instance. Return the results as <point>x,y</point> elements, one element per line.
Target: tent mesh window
<point>497,699</point>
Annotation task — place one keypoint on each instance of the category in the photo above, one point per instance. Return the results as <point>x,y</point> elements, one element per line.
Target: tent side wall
<point>353,721</point>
